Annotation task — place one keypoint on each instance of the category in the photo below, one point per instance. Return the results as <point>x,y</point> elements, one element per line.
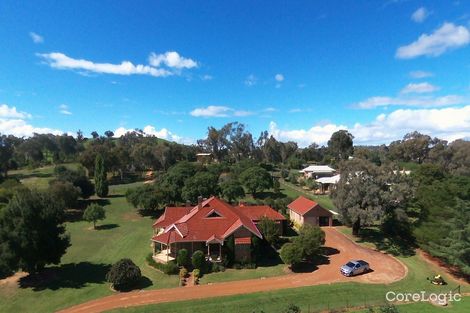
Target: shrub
<point>291,254</point>
<point>183,272</point>
<point>182,259</point>
<point>124,275</point>
<point>196,276</point>
<point>170,268</point>
<point>216,267</point>
<point>199,260</point>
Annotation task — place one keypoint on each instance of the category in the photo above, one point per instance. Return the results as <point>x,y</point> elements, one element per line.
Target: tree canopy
<point>32,212</point>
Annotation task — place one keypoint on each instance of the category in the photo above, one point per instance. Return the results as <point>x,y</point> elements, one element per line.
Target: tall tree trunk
<point>356,227</point>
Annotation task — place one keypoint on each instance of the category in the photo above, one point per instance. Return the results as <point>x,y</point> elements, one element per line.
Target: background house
<point>305,211</point>
<point>317,171</point>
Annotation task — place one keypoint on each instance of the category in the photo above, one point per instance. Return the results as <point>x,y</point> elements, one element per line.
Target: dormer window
<point>213,214</point>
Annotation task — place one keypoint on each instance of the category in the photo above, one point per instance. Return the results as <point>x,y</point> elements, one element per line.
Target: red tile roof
<point>243,241</point>
<point>256,212</point>
<point>171,215</point>
<point>302,205</point>
<point>193,224</point>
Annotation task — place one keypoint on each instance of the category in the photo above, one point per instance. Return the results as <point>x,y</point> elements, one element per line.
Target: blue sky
<point>300,69</point>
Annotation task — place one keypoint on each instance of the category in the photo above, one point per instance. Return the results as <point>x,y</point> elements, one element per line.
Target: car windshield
<point>350,264</point>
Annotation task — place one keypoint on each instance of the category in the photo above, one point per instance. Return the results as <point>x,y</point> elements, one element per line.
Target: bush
<point>182,259</point>
<point>291,254</point>
<point>183,272</point>
<point>124,275</point>
<point>199,260</point>
<point>216,267</point>
<point>196,275</point>
<point>170,268</point>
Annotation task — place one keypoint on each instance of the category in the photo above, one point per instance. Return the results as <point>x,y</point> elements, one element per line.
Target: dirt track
<point>386,269</point>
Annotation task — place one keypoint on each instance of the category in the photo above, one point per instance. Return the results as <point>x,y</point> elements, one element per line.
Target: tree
<point>109,133</point>
<point>203,184</point>
<point>310,240</point>
<point>32,212</point>
<point>199,260</point>
<point>147,197</point>
<point>182,258</point>
<point>276,186</point>
<point>256,179</point>
<point>291,254</point>
<point>232,190</point>
<point>6,153</point>
<point>367,194</point>
<point>94,213</point>
<point>340,144</point>
<point>65,192</point>
<point>101,182</point>
<point>95,134</point>
<point>269,229</point>
<point>77,177</point>
<point>124,275</point>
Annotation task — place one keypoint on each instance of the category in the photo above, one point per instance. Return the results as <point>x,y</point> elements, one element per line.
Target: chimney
<point>241,203</point>
<point>188,203</point>
<point>199,202</point>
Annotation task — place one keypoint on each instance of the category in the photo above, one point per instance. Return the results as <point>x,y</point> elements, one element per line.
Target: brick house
<point>211,226</point>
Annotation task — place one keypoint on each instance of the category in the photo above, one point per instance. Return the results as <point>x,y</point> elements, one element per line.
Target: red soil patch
<point>450,270</point>
<point>386,269</point>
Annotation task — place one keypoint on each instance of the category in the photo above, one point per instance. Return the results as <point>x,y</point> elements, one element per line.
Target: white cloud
<point>270,109</point>
<point>12,112</point>
<point>420,15</point>
<point>150,130</point>
<point>36,38</point>
<point>251,80</point>
<point>420,74</point>
<point>279,77</point>
<point>422,101</point>
<point>447,37</point>
<point>161,65</point>
<point>219,111</point>
<point>419,88</point>
<point>13,122</point>
<point>171,59</point>
<point>445,123</point>
<point>64,109</point>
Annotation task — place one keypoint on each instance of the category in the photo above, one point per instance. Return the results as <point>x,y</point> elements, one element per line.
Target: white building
<point>317,171</point>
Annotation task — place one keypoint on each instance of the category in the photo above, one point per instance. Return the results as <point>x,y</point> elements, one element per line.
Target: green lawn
<point>80,277</point>
<point>320,297</point>
<point>424,307</point>
<point>324,296</point>
<point>293,191</point>
<point>38,177</point>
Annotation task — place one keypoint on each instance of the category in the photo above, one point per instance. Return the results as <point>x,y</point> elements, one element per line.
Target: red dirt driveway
<point>386,269</point>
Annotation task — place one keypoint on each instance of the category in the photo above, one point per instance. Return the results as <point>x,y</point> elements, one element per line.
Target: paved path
<point>386,269</point>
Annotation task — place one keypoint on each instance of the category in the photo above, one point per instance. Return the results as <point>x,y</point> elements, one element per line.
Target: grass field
<point>81,275</point>
<point>315,298</point>
<point>124,233</point>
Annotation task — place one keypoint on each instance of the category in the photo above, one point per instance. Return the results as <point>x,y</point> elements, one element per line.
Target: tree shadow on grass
<point>106,226</point>
<point>71,275</point>
<point>393,245</point>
